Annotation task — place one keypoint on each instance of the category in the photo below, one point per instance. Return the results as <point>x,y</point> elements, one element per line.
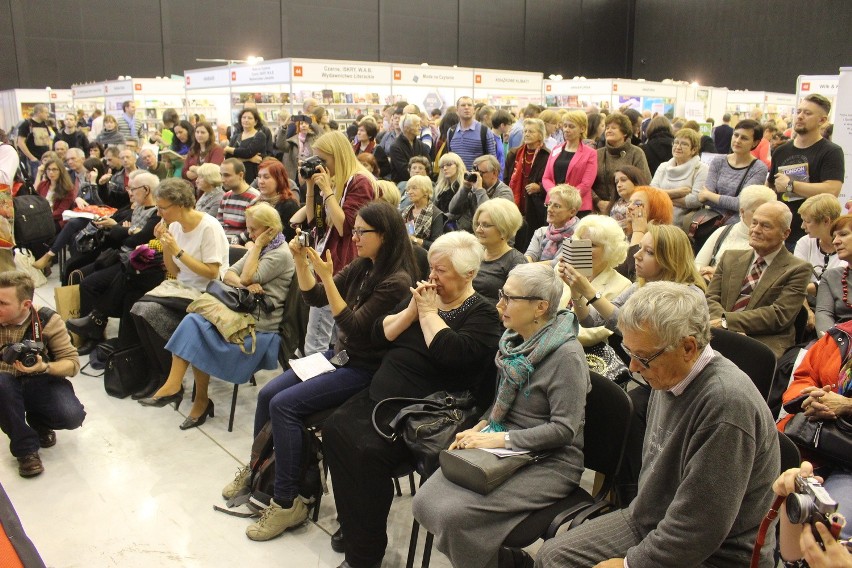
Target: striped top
<point>467,143</point>
<point>232,210</point>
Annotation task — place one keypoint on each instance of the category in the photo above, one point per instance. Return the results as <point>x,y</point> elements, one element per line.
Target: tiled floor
<point>130,489</point>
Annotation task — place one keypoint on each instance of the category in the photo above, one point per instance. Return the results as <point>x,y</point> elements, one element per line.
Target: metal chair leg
<point>397,487</point>
<point>427,550</point>
<point>412,544</point>
<point>253,381</point>
<point>233,409</point>
<point>411,484</point>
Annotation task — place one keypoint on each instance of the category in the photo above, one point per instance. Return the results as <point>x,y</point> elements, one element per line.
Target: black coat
<point>658,149</point>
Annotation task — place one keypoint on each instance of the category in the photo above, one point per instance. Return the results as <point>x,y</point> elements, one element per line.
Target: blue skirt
<point>198,341</point>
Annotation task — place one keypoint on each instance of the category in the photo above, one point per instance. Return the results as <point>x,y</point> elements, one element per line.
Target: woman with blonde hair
<point>386,191</point>
<point>562,218</point>
<point>451,172</point>
<point>495,223</point>
<point>208,180</point>
<point>573,162</point>
<point>340,186</point>
<point>424,221</point>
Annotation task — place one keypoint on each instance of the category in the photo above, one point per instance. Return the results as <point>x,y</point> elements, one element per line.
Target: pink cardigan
<point>581,172</point>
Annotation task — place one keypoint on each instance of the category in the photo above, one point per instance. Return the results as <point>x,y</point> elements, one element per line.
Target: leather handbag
<point>126,371</point>
<point>238,299</point>
<point>828,439</point>
<point>90,238</point>
<point>481,471</point>
<point>603,360</point>
<point>427,425</point>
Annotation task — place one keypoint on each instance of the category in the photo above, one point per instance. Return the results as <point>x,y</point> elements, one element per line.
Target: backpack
<point>483,136</point>
<point>261,488</point>
<point>33,219</point>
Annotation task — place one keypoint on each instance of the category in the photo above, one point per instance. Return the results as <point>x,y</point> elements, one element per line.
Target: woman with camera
<point>337,185</point>
<point>266,269</point>
<point>363,291</point>
<point>249,144</point>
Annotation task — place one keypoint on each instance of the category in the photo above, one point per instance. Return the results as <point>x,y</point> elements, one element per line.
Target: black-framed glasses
<point>504,297</point>
<point>145,187</point>
<point>358,232</point>
<point>645,362</point>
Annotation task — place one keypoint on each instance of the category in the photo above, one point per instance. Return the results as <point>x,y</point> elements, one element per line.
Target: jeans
<point>286,400</point>
<point>33,169</point>
<point>320,329</point>
<point>36,402</point>
<point>838,483</point>
<point>66,236</point>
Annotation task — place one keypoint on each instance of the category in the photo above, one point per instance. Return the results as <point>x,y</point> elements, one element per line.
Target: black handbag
<point>238,299</point>
<point>89,238</point>
<point>828,439</point>
<point>603,360</point>
<point>428,425</point>
<point>481,471</point>
<point>126,372</point>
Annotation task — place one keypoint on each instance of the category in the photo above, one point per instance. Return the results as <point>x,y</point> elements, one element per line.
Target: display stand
<point>701,102</point>
<point>211,88</point>
<point>264,86</point>
<point>431,87</point>
<point>509,90</point>
<point>578,93</point>
<point>843,130</point>
<point>17,104</point>
<point>659,98</point>
<point>826,85</point>
<point>773,105</point>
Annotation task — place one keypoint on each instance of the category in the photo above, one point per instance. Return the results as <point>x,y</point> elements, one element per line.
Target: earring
<point>535,320</point>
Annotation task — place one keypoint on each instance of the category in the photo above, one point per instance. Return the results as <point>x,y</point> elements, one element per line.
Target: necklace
<point>845,287</point>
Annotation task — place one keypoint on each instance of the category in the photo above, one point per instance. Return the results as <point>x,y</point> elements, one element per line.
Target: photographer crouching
<point>37,356</point>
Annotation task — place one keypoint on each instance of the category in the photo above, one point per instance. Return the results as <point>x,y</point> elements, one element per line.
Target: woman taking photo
<point>333,196</point>
<point>495,223</point>
<point>265,269</point>
<point>617,152</point>
<point>451,172</point>
<point>425,223</point>
<point>627,178</point>
<point>728,175</point>
<point>561,220</point>
<point>208,180</point>
<point>540,354</point>
<point>195,251</point>
<point>110,136</point>
<point>204,150</point>
<point>525,167</point>
<point>365,290</point>
<point>274,187</point>
<point>443,338</point>
<point>573,162</point>
<point>249,144</point>
<point>659,141</point>
<point>683,175</point>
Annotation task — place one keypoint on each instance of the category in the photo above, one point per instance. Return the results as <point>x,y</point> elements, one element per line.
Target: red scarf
<point>518,181</point>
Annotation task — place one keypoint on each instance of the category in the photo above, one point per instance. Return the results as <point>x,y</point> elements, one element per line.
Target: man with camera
<point>36,398</point>
<point>480,185</point>
<point>709,457</point>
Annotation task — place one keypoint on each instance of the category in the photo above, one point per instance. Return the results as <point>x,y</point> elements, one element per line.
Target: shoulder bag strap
<point>407,401</point>
<point>745,175</point>
<point>725,232</point>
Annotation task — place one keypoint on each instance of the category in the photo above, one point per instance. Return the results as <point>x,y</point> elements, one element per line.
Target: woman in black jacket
<point>249,145</point>
<point>658,147</point>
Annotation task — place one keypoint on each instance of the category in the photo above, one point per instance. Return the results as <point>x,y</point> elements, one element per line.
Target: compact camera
<point>27,352</point>
<point>812,504</point>
<point>304,239</point>
<point>470,177</point>
<point>310,166</point>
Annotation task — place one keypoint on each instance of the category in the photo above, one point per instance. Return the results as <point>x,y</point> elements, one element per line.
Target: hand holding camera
<point>473,179</point>
<point>25,356</point>
<point>300,244</point>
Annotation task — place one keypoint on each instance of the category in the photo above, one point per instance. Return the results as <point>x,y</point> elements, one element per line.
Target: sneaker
<point>275,520</point>
<point>30,466</point>
<point>46,438</point>
<point>241,481</point>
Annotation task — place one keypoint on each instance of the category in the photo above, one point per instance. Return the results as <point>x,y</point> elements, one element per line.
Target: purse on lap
<point>828,439</point>
<point>481,471</point>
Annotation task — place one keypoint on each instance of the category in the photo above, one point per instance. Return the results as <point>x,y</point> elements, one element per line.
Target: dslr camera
<point>811,504</point>
<point>470,177</point>
<point>27,352</point>
<point>309,166</point>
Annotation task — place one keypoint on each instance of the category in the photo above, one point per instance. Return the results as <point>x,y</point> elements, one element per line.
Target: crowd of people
<point>434,254</point>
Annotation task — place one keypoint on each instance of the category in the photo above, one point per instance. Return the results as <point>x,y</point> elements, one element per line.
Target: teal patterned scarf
<point>516,360</point>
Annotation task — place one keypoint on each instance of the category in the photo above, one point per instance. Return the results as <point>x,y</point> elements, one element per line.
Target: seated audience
<point>406,145</point>
<point>562,220</point>
<point>647,205</point>
<point>443,338</point>
<point>195,251</point>
<point>618,151</point>
<point>370,163</point>
<point>388,192</point>
<point>573,162</point>
<point>760,291</point>
<point>249,144</point>
<point>148,155</point>
<point>238,196</point>
<point>539,355</point>
<point>471,195</point>
<point>417,166</point>
<point>365,140</point>
<point>298,147</point>
<point>37,399</point>
<point>682,175</point>
<point>58,189</point>
<point>495,223</point>
<point>732,237</point>
<point>266,269</point>
<point>274,187</point>
<point>362,292</point>
<point>110,136</point>
<point>666,333</point>
<point>424,221</point>
<point>627,179</point>
<point>832,303</point>
<point>204,150</point>
<point>208,181</point>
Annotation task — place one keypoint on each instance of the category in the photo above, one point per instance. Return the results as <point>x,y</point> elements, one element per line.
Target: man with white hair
<point>148,155</point>
<point>760,291</point>
<point>709,458</point>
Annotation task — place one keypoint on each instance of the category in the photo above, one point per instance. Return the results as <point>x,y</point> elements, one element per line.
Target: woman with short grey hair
<point>209,182</point>
<point>543,380</point>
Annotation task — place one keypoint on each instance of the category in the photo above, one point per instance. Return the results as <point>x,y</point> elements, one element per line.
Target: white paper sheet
<point>311,366</point>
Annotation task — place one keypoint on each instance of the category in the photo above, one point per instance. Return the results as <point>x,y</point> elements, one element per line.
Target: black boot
<point>87,347</point>
<point>91,326</point>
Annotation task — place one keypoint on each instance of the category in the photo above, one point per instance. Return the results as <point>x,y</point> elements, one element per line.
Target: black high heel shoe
<point>195,422</point>
<point>160,401</point>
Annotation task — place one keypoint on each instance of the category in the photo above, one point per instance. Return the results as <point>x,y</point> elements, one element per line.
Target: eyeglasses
<point>145,187</point>
<point>682,143</point>
<point>481,225</point>
<point>480,172</point>
<point>159,208</point>
<point>504,297</point>
<point>555,205</point>
<point>447,166</point>
<point>644,362</point>
<point>358,232</point>
<point>52,169</point>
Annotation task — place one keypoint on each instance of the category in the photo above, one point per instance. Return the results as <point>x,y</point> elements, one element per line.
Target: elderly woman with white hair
<point>424,221</point>
<point>732,237</point>
<point>543,380</point>
<point>495,223</point>
<point>208,181</point>
<point>565,202</point>
<point>442,339</point>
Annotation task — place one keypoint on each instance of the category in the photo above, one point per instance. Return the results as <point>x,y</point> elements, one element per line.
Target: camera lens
<point>799,508</point>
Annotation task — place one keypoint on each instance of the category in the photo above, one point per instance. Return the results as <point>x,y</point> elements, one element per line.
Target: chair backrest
<point>294,324</point>
<point>752,357</point>
<point>790,457</point>
<point>608,414</point>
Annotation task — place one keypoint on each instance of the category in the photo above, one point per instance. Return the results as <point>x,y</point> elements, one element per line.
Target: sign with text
<point>84,91</point>
<point>340,72</point>
<point>507,80</point>
<point>780,99</point>
<point>266,73</point>
<point>644,89</point>
<point>207,78</point>
<point>593,86</point>
<point>843,131</point>
<point>433,76</point>
<point>119,88</point>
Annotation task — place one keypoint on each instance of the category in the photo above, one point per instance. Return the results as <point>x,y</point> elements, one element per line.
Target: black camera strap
<point>35,324</point>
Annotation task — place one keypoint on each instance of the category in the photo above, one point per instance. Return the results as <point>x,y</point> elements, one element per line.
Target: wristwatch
<point>179,254</point>
<point>594,298</point>
<point>506,439</point>
<point>790,186</point>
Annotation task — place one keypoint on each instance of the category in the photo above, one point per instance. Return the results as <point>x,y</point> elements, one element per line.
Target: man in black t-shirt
<point>807,165</point>
<point>72,135</point>
<point>34,137</point>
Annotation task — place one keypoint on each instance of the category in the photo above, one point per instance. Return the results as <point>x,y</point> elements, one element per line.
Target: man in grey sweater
<point>471,195</point>
<point>709,458</point>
